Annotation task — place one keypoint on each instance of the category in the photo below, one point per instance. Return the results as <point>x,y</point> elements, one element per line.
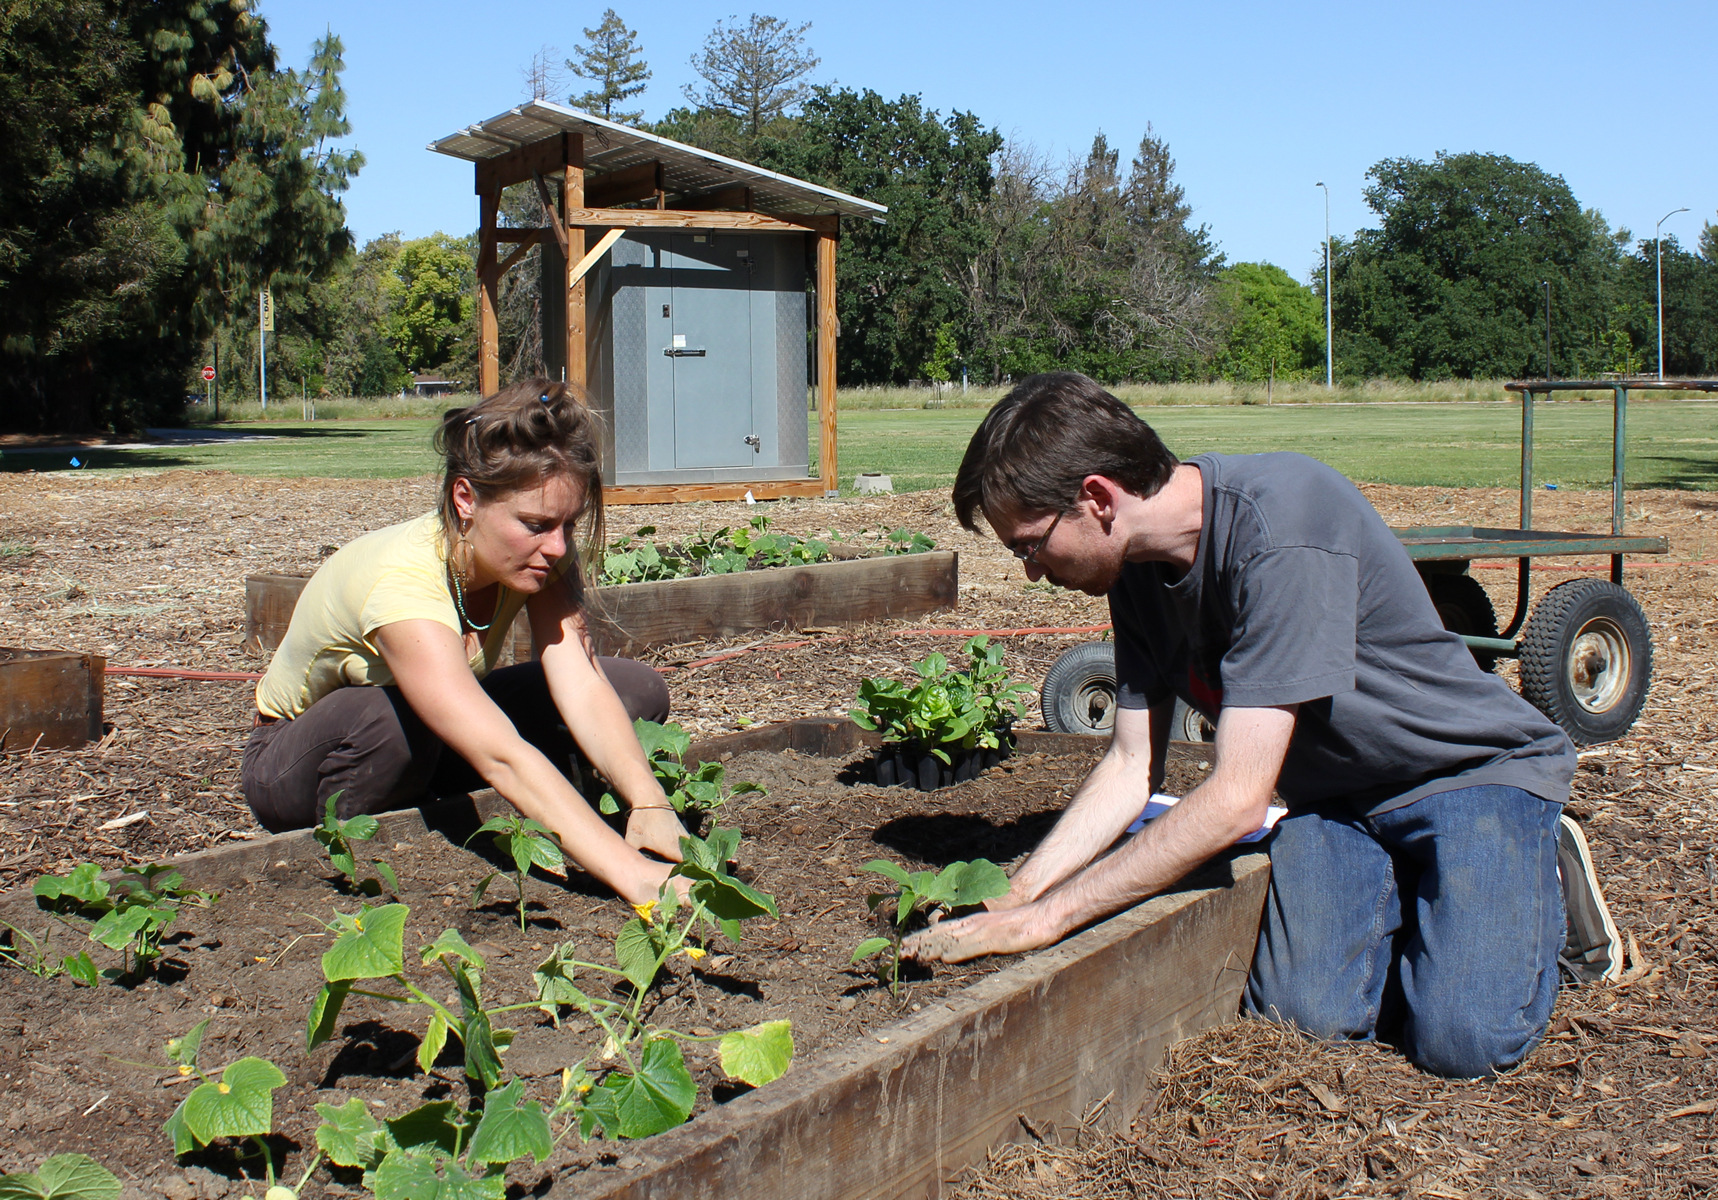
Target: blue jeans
<point>1434,927</point>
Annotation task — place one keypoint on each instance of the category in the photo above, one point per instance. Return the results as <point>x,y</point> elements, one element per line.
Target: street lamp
<point>1658,249</point>
<point>1329,371</point>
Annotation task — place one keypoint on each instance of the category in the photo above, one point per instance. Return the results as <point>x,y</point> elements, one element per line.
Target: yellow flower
<point>693,953</point>
<point>183,1069</point>
<point>224,1087</point>
<point>358,924</point>
<point>644,910</point>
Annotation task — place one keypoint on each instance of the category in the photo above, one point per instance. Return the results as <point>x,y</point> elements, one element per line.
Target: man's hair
<point>1040,441</point>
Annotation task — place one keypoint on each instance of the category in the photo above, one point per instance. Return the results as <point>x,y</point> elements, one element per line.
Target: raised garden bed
<point>636,616</point>
<point>49,699</point>
<point>887,1096</point>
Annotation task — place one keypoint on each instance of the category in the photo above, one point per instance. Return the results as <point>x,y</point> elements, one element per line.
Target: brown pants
<point>367,744</point>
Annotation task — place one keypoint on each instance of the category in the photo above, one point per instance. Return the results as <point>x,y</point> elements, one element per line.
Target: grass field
<point>1671,444</point>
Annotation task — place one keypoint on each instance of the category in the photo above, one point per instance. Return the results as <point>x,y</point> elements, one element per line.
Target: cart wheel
<point>1189,724</point>
<point>1464,608</point>
<point>1586,659</point>
<point>1079,693</point>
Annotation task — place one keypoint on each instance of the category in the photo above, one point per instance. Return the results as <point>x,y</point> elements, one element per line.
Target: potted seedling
<point>947,727</point>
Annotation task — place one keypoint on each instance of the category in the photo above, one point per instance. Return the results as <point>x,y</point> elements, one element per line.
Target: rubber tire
<point>1464,608</point>
<point>1189,724</point>
<point>1079,692</point>
<point>1574,622</point>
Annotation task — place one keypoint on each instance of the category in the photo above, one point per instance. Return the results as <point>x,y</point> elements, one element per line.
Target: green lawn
<point>1671,444</point>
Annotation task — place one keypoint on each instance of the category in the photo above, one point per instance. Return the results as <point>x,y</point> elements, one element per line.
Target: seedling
<point>947,710</point>
<point>638,559</point>
<point>907,541</point>
<point>337,837</point>
<point>958,885</point>
<point>30,954</point>
<point>62,1177</point>
<point>130,916</point>
<point>529,843</point>
<point>698,790</point>
<point>238,1105</point>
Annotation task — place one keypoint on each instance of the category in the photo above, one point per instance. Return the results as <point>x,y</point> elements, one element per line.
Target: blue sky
<point>1257,101</point>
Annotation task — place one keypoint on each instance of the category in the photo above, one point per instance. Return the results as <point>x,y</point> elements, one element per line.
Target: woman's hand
<point>656,829</point>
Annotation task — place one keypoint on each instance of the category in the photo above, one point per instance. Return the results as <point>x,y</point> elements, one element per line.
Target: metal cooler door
<point>710,345</point>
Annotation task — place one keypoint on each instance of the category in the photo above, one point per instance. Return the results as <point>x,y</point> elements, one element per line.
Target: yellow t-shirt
<point>394,574</point>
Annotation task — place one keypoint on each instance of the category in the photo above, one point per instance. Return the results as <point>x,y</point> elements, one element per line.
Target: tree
<point>1271,320</point>
<point>612,58</point>
<point>901,281</point>
<point>161,171</point>
<point>542,77</point>
<point>753,72</point>
<point>1450,284</point>
<point>431,305</point>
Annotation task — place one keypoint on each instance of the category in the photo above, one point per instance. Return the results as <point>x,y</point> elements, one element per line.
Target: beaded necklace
<point>459,602</point>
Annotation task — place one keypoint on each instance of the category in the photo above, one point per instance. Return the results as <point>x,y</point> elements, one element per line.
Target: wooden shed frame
<point>598,166</point>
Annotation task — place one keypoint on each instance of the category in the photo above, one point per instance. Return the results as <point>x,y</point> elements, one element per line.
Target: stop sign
<point>208,374</point>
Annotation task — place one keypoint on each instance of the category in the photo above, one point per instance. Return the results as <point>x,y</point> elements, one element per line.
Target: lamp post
<point>1329,361</point>
<point>1658,250</point>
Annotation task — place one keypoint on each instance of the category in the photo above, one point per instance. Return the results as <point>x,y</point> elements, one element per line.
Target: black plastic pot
<point>907,764</point>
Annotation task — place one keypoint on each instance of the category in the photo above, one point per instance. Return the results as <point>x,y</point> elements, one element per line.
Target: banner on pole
<point>267,311</point>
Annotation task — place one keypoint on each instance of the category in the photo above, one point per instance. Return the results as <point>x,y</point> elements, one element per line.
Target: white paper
<point>1160,804</point>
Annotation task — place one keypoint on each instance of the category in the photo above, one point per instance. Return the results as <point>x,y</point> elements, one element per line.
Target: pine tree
<point>754,72</point>
<point>611,58</point>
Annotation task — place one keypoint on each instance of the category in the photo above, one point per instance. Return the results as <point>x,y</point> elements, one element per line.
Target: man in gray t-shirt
<point>1414,892</point>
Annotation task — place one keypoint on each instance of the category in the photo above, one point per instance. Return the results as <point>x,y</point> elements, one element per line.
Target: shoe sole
<point>1574,842</point>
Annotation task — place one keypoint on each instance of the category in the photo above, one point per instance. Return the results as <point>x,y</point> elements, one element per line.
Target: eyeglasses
<point>1029,554</point>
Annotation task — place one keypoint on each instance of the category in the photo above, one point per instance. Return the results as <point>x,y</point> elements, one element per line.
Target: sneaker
<point>1592,951</point>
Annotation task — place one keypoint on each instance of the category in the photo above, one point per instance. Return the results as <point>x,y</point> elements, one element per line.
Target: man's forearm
<point>1112,796</point>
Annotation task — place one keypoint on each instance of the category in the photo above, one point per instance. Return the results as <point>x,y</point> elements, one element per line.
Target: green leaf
<point>758,1055</point>
<point>349,1135</point>
<point>183,1051</point>
<point>512,1127</point>
<point>974,882</point>
<point>608,806</point>
<point>503,824</point>
<point>370,946</point>
<point>344,861</point>
<point>868,947</point>
<point>482,886</point>
<point>63,1177</point>
<point>882,866</point>
<point>118,928</point>
<point>540,850</point>
<point>82,883</point>
<point>482,1059</point>
<point>635,952</point>
<point>81,968</point>
<point>434,1041</point>
<point>659,1097</point>
<point>450,945</point>
<point>428,1127</point>
<point>726,897</point>
<point>360,828</point>
<point>325,1013</point>
<point>404,1175</point>
<point>388,876</point>
<point>554,980</point>
<point>240,1105</point>
<point>174,1127</point>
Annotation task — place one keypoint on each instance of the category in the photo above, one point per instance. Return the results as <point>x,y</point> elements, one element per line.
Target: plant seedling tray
<point>50,699</point>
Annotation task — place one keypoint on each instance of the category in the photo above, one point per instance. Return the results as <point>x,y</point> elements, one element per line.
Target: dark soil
<point>85,1066</point>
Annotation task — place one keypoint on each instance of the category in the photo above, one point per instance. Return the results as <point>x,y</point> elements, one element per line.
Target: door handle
<point>755,442</point>
<point>681,352</point>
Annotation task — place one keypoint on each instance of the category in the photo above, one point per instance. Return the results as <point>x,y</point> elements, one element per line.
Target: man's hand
<point>1007,932</point>
<point>655,829</point>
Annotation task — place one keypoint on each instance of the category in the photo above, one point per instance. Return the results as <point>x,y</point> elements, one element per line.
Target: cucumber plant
<point>62,1177</point>
<point>240,1104</point>
<point>696,790</point>
<point>129,915</point>
<point>958,885</point>
<point>337,836</point>
<point>529,844</point>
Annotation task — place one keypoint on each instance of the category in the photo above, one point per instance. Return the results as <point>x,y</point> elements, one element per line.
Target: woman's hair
<point>1039,442</point>
<point>522,435</point>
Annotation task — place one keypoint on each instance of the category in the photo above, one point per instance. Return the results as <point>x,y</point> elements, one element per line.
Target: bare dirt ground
<point>1619,1099</point>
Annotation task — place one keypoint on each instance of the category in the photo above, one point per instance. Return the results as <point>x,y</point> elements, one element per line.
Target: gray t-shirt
<point>1300,594</point>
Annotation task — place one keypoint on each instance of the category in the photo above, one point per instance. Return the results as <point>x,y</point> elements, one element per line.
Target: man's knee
<point>1326,1013</point>
<point>1468,1046</point>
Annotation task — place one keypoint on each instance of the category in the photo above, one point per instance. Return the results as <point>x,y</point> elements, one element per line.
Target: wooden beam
<point>488,306</point>
<point>739,198</point>
<point>49,699</point>
<point>632,618</point>
<point>618,187</point>
<point>671,218</point>
<point>573,253</point>
<point>518,165</point>
<point>827,328</point>
<point>519,252</point>
<point>555,227</point>
<point>595,253</point>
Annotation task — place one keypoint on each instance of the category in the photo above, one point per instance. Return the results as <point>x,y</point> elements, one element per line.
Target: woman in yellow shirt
<point>383,690</point>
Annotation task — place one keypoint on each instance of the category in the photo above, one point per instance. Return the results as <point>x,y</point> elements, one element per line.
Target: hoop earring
<point>461,574</point>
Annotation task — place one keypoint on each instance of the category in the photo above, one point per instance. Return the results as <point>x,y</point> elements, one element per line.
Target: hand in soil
<point>959,939</point>
<point>657,830</point>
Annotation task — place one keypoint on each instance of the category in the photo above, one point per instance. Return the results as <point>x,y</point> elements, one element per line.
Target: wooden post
<point>826,328</point>
<point>573,197</point>
<point>488,330</point>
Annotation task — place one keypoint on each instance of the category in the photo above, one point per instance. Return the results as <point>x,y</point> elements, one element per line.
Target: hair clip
<point>474,420</point>
<point>544,397</point>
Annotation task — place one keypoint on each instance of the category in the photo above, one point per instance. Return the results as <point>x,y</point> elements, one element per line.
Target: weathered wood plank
<point>673,218</point>
<point>51,699</point>
<point>625,620</point>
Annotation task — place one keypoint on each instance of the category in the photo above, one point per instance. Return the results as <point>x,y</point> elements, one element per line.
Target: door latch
<point>681,352</point>
<point>755,442</point>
